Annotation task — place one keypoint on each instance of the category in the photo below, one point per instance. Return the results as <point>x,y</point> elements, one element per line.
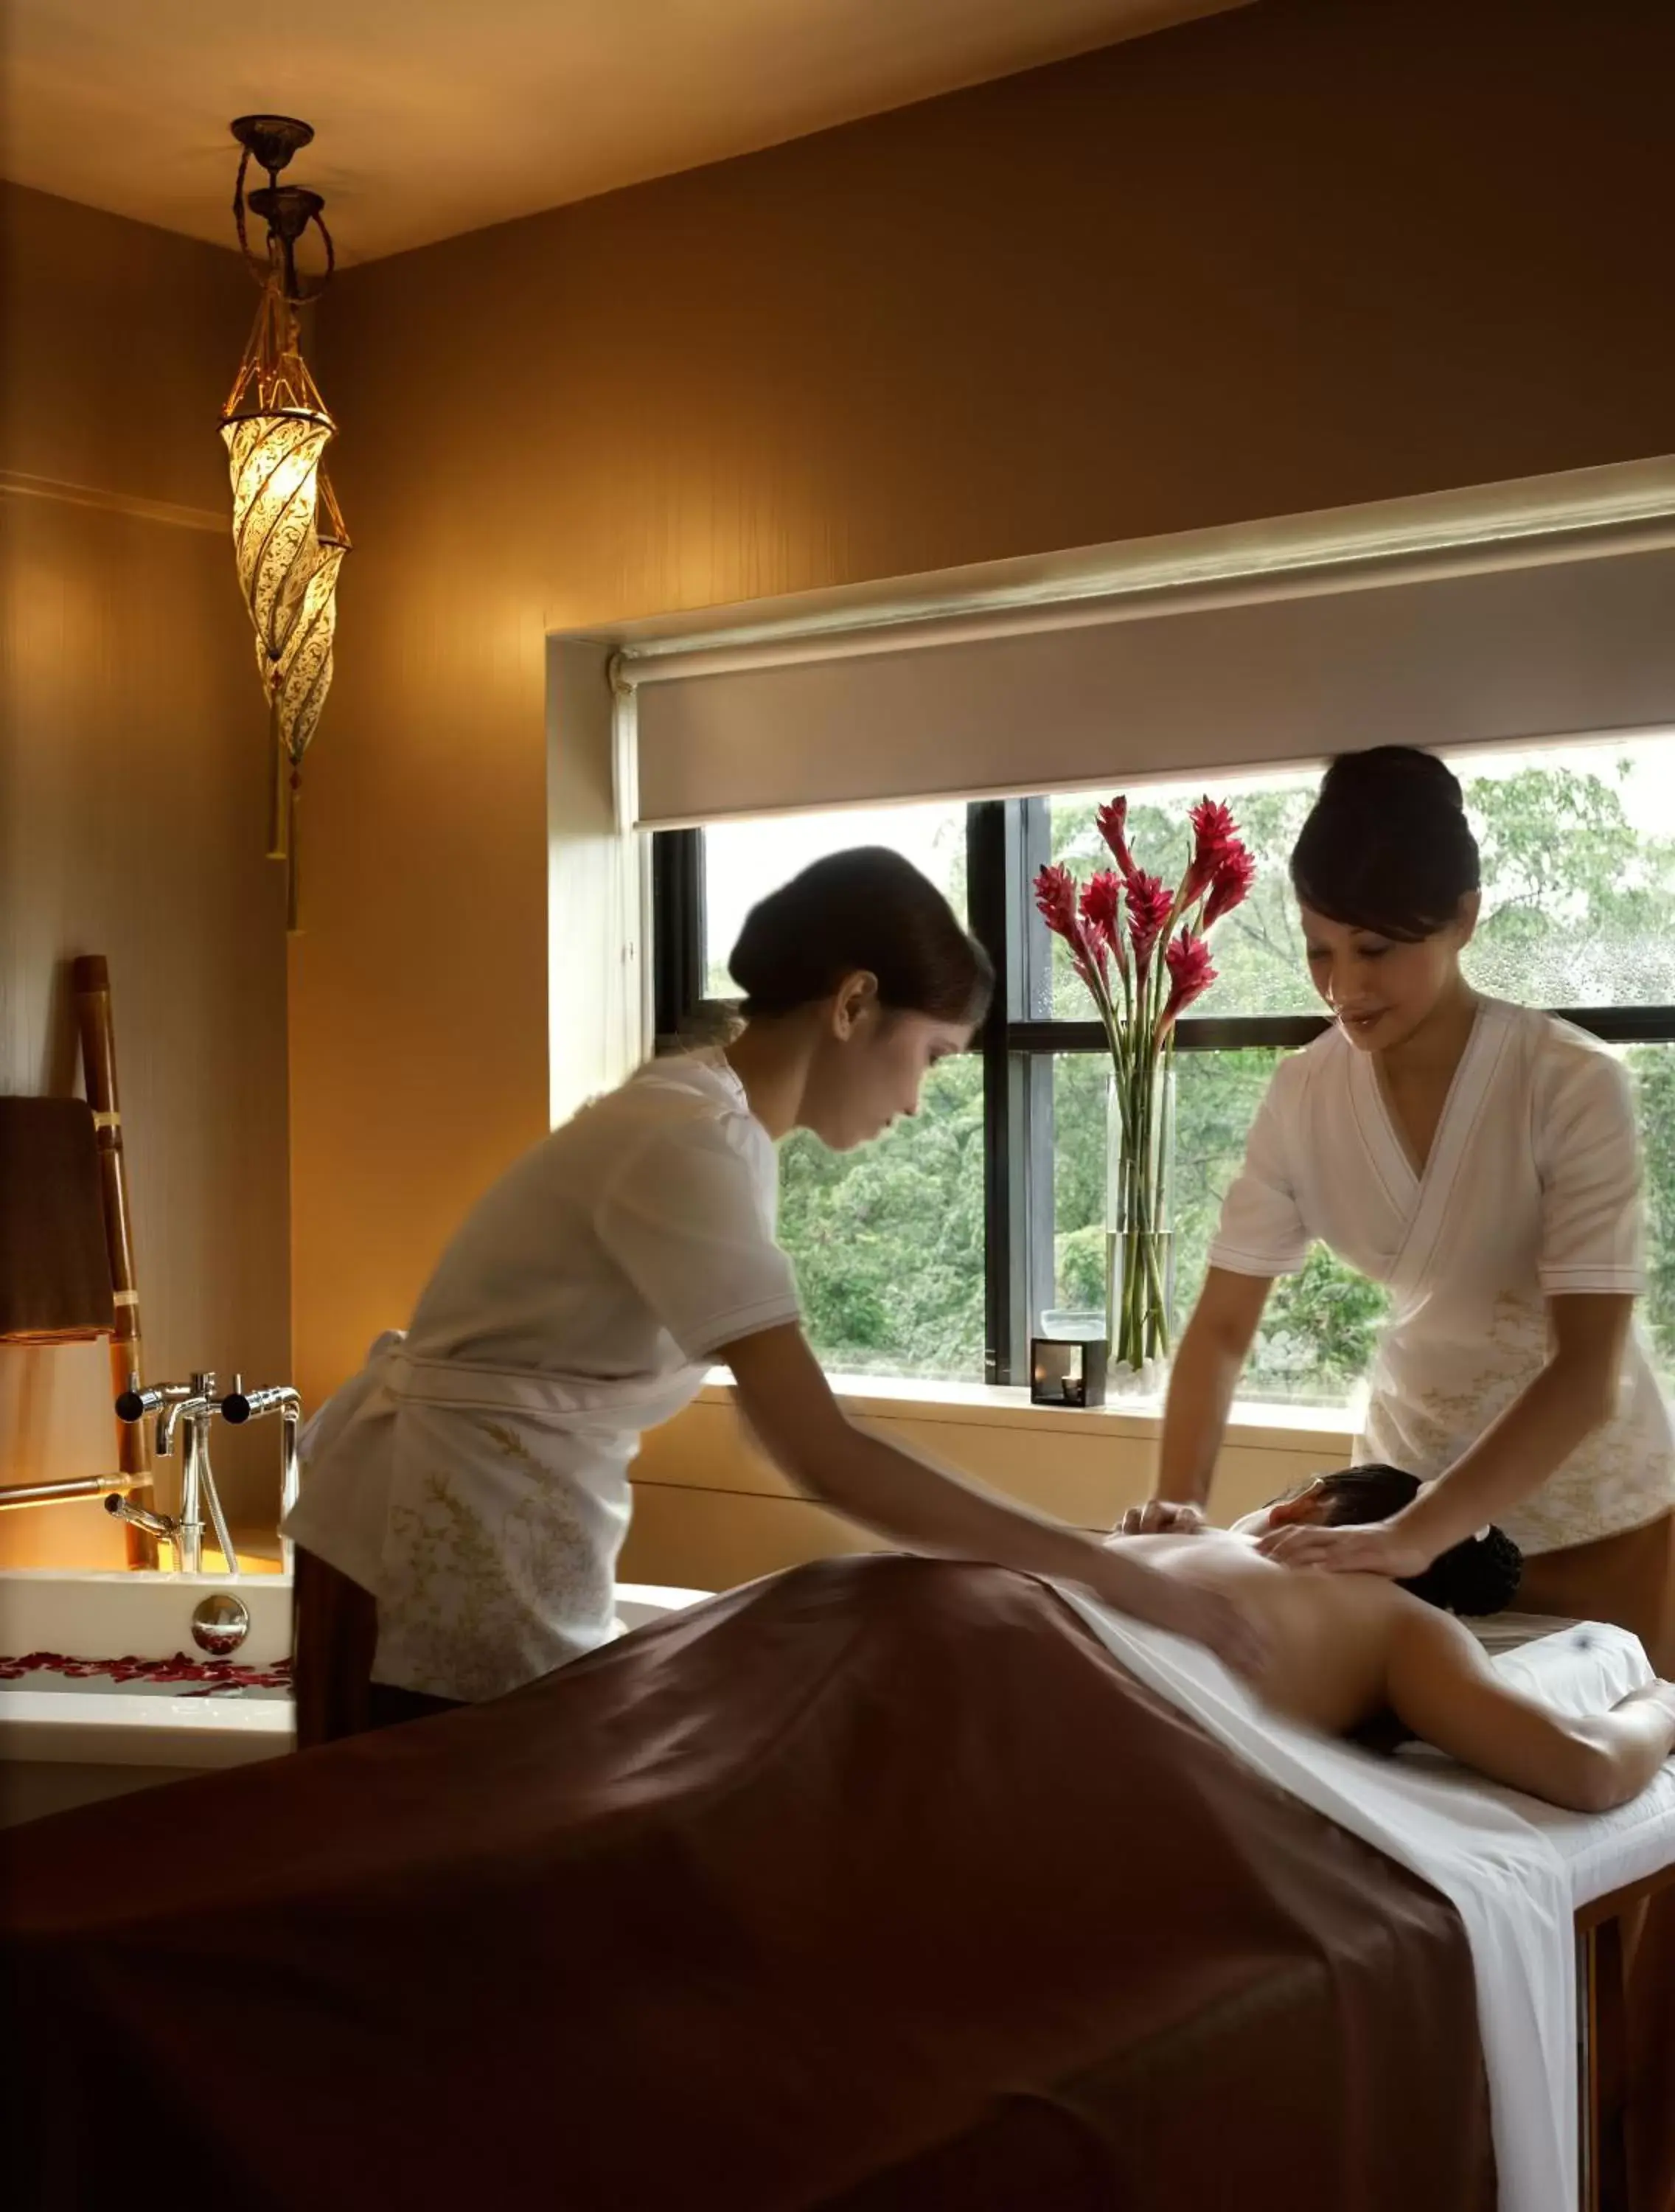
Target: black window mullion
<point>1622,1024</point>
<point>677,930</point>
<point>1032,850</point>
<point>1028,850</point>
<point>993,831</point>
<point>1287,1032</point>
<point>1038,1285</point>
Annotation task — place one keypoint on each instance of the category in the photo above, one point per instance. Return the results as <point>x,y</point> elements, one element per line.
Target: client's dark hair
<point>1480,1575</point>
<point>863,908</point>
<point>1387,846</point>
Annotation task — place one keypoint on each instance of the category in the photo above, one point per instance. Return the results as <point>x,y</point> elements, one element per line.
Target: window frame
<point>1007,840</point>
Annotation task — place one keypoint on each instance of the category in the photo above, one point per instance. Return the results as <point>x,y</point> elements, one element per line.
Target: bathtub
<point>69,1738</point>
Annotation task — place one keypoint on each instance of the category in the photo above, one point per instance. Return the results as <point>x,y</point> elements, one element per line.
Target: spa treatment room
<point>837,1106</point>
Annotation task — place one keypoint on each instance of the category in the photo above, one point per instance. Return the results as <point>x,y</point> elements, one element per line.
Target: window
<point>936,1251</point>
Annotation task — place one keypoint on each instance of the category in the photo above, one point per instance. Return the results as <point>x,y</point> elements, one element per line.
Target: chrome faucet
<point>241,1405</point>
<point>192,1406</point>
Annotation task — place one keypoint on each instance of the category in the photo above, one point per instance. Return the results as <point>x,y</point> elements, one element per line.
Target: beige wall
<point>132,790</point>
<point>1301,255</point>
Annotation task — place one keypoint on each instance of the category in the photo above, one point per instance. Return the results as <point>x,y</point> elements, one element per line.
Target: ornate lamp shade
<point>288,542</point>
<point>289,538</point>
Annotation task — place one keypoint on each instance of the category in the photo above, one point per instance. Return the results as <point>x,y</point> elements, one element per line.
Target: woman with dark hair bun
<point>1481,1161</point>
<point>466,1495</point>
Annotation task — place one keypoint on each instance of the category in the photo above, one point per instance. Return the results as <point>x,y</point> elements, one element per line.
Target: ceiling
<point>440,116</point>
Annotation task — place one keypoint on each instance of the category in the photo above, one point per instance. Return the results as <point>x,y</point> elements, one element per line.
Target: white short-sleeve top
<point>631,1242</point>
<point>1532,1191</point>
<point>474,1476</point>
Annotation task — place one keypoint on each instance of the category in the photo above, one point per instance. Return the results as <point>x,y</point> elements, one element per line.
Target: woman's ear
<point>1308,1507</point>
<point>1466,920</point>
<point>856,996</point>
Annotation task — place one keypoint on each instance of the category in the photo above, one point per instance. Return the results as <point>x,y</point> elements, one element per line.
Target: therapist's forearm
<point>788,1403</point>
<point>1201,1387</point>
<point>926,1508</point>
<point>1536,1434</point>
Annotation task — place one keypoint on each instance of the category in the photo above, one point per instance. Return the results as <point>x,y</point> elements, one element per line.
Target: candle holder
<point>1068,1371</point>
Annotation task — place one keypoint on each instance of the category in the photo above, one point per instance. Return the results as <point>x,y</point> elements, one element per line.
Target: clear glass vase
<point>1139,1242</point>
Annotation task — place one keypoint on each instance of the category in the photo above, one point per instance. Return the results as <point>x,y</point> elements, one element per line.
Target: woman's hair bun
<point>1392,775</point>
<point>864,910</point>
<point>1387,846</point>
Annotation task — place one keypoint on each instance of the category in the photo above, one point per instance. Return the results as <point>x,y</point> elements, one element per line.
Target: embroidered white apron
<point>484,1509</point>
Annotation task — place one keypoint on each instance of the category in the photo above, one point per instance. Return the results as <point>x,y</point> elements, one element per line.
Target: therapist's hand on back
<point>786,1400</point>
<point>1383,1548</point>
<point>1161,1517</point>
<point>1203,1615</point>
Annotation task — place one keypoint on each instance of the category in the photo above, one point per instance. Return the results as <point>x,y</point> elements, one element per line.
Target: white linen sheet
<point>1511,1867</point>
<point>1584,1667</point>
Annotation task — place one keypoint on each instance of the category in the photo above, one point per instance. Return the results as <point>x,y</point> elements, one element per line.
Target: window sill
<point>978,1404</point>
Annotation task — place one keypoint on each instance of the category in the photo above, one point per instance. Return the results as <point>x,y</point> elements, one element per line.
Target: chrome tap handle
<point>243,1405</point>
<point>135,1404</point>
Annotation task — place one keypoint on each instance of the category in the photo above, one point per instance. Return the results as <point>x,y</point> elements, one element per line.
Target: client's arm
<point>1441,1685</point>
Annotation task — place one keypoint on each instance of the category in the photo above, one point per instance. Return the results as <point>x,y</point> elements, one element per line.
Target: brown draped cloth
<point>877,1885</point>
<point>333,1642</point>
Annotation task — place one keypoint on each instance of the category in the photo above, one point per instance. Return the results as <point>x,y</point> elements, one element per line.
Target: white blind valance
<point>1284,671</point>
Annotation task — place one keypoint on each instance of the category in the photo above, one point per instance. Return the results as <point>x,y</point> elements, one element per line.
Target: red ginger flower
<point>1190,976</point>
<point>1055,899</point>
<point>1112,820</point>
<point>1149,905</point>
<point>1101,911</point>
<point>1215,834</point>
<point>1236,872</point>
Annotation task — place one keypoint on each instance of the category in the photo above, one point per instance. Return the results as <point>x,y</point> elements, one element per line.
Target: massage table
<point>1543,1893</point>
<point>873,1886</point>
<point>1616,1862</point>
<point>975,1916</point>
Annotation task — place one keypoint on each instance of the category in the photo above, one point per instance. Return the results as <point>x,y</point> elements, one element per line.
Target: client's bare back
<point>1328,1636</point>
<point>1347,1648</point>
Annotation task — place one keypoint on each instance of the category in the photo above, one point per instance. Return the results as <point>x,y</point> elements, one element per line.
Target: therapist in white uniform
<point>466,1497</point>
<point>1481,1161</point>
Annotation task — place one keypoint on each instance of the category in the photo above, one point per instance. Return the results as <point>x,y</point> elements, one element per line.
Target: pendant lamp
<point>289,538</point>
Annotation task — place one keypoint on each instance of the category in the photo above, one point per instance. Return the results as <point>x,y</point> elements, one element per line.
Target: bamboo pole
<point>92,979</point>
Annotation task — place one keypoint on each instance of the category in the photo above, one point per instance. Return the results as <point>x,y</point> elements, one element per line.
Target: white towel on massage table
<point>1581,1667</point>
<point>1480,1847</point>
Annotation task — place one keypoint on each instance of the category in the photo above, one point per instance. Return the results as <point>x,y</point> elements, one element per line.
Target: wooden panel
<point>710,1511</point>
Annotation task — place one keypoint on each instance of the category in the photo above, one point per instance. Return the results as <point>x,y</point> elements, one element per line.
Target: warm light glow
<point>288,542</point>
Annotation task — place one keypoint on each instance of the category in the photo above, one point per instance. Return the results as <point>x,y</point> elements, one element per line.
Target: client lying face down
<point>1345,1649</point>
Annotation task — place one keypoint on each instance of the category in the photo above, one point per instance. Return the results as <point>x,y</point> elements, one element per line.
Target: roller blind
<point>1283,674</point>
